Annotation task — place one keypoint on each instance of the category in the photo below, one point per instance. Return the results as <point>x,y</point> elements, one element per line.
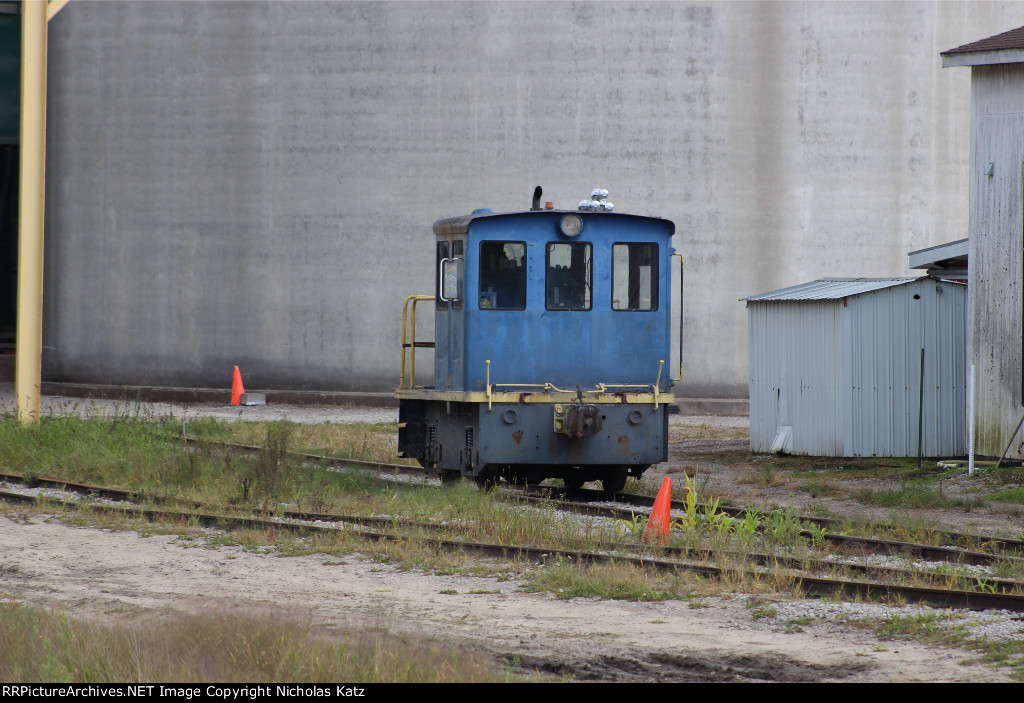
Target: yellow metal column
<point>29,329</point>
<point>28,354</point>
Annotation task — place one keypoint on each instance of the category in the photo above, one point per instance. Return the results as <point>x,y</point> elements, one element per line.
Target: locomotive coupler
<point>577,421</point>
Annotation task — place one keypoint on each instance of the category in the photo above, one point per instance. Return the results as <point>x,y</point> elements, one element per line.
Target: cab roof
<point>454,226</point>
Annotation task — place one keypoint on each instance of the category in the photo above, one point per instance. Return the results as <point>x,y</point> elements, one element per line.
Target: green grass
<point>1012,495</point>
<point>918,626</point>
<point>941,629</point>
<point>362,441</point>
<point>818,510</point>
<point>149,455</point>
<point>914,495</point>
<point>612,581</point>
<point>711,430</point>
<point>820,487</point>
<point>1008,568</point>
<point>796,624</point>
<point>50,646</point>
<point>108,451</point>
<point>765,475</point>
<point>760,609</point>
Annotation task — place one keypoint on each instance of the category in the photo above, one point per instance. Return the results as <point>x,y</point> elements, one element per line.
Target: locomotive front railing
<point>600,387</point>
<point>412,344</point>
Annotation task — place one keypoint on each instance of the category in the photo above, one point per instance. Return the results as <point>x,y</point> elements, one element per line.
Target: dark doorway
<point>10,110</point>
<point>8,245</point>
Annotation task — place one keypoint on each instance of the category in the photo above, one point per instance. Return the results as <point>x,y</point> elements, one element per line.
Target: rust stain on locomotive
<point>518,436</point>
<point>623,450</point>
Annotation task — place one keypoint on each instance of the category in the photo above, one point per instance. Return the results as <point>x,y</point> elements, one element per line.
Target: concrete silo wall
<point>254,183</point>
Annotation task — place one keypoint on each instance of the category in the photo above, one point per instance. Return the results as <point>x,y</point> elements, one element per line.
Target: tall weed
<point>49,646</point>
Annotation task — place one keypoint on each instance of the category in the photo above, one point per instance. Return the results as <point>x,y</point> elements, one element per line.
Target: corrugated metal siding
<point>885,332</point>
<point>795,375</point>
<point>845,375</point>
<point>996,233</point>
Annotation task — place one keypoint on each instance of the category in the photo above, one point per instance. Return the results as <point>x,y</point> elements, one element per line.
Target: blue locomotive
<point>552,329</point>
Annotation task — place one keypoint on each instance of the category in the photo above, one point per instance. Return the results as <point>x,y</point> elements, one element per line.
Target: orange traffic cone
<point>661,516</point>
<point>236,388</point>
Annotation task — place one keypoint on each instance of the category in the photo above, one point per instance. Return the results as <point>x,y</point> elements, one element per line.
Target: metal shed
<point>835,367</point>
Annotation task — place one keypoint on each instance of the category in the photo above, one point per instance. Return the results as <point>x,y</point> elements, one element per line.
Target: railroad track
<point>581,501</point>
<point>642,501</point>
<point>960,590</point>
<point>578,501</point>
<point>857,545</point>
<point>851,544</point>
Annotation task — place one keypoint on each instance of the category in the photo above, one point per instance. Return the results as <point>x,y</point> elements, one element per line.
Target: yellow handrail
<point>657,382</point>
<point>414,299</point>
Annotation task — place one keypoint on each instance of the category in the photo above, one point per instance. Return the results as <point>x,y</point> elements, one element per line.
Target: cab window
<point>457,247</point>
<point>635,276</point>
<point>502,276</point>
<point>567,276</point>
<point>442,254</point>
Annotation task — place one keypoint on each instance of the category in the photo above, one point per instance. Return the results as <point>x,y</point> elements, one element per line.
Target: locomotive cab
<point>551,335</point>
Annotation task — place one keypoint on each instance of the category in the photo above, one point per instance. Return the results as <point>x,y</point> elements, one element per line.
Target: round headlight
<point>571,225</point>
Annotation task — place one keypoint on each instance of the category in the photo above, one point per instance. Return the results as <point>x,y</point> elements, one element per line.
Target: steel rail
<point>83,488</point>
<point>871,545</point>
<point>852,544</point>
<point>856,543</point>
<point>996,593</point>
<point>333,460</point>
<point>875,571</point>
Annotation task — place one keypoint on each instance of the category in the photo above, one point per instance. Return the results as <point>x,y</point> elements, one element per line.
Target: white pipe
<point>970,440</point>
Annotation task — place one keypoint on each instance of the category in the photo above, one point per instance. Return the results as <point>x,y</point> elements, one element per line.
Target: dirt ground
<point>114,575</point>
<point>715,452</point>
<point>96,573</point>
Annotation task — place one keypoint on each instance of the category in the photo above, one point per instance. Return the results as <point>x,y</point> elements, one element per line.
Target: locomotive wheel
<point>449,477</point>
<point>574,483</point>
<point>615,480</point>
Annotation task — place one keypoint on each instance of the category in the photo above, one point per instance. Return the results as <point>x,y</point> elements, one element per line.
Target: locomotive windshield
<point>635,276</point>
<point>567,284</point>
<point>502,275</point>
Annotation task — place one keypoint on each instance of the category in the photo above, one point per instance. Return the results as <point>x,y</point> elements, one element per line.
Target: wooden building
<point>996,226</point>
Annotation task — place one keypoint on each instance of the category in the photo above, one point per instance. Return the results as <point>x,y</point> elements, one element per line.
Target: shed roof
<point>1007,47</point>
<point>947,260</point>
<point>832,288</point>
